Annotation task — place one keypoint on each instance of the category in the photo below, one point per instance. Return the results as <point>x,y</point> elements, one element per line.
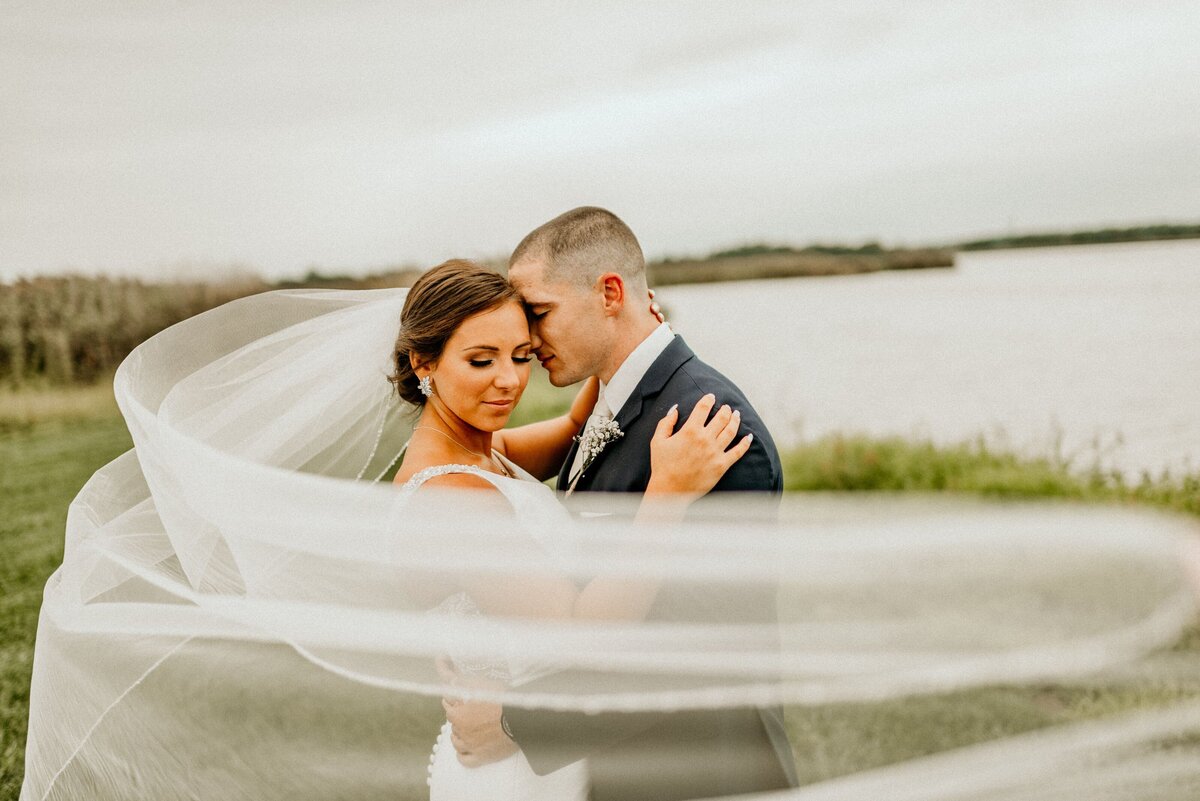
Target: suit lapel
<point>564,472</point>
<point>670,360</point>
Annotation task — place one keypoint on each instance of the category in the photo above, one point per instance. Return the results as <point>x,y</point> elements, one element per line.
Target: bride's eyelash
<point>486,362</point>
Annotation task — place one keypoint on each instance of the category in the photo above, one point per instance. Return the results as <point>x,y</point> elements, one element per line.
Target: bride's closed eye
<point>486,362</point>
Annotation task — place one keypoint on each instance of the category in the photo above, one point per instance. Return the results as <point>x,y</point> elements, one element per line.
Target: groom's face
<point>566,323</point>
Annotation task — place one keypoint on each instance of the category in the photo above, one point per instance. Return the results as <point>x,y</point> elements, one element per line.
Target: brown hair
<point>581,244</point>
<point>436,305</point>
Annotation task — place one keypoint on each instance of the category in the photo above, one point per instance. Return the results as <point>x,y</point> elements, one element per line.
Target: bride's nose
<point>506,376</point>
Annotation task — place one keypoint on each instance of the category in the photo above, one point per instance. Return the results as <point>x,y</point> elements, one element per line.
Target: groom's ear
<point>612,287</point>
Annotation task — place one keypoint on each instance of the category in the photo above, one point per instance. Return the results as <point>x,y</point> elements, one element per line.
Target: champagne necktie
<point>600,414</point>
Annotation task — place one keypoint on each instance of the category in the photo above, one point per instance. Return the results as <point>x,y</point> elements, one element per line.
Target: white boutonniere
<point>592,443</point>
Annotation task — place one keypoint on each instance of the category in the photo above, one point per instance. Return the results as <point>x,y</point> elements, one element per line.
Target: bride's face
<point>485,367</point>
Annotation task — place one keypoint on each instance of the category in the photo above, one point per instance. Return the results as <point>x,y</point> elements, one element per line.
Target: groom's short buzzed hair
<point>582,244</point>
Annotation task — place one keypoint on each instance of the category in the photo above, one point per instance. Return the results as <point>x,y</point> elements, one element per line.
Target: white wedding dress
<point>511,778</point>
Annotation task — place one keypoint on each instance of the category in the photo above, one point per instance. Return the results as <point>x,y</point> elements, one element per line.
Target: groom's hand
<point>476,732</point>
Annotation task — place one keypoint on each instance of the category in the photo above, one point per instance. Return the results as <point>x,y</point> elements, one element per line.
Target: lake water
<point>1091,352</point>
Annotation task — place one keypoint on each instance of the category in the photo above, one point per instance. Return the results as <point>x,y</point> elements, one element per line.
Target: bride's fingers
<point>445,668</point>
<point>701,409</point>
<point>666,426</point>
<point>739,450</point>
<point>655,309</point>
<point>720,419</point>
<point>729,431</point>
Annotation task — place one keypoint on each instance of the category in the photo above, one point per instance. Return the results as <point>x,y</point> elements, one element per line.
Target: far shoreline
<point>763,261</point>
<point>1099,236</point>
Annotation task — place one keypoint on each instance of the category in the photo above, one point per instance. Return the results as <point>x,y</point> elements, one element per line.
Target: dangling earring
<point>426,386</point>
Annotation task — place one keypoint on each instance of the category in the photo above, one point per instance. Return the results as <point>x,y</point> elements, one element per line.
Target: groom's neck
<point>631,334</point>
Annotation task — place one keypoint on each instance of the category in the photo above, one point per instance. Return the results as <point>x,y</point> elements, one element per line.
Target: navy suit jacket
<point>677,755</point>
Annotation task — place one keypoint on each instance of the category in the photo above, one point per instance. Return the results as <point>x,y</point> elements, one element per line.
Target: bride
<point>464,356</point>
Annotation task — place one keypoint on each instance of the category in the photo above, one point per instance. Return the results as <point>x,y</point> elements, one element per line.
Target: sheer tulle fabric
<point>245,611</point>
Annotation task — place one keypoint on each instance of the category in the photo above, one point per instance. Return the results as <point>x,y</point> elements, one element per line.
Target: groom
<point>583,279</point>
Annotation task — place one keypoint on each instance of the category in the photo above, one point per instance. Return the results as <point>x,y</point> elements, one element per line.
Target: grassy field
<point>42,466</point>
<point>52,440</point>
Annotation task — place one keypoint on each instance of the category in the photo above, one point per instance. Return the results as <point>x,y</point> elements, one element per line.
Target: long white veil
<point>245,611</point>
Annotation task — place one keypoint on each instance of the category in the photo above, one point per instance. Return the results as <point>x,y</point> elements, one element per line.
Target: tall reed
<point>60,330</point>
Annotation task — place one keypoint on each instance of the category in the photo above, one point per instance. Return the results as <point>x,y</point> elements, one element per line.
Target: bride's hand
<point>689,462</point>
<point>655,309</point>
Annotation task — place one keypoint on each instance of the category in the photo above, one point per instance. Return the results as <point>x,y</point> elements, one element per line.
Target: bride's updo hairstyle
<point>436,305</point>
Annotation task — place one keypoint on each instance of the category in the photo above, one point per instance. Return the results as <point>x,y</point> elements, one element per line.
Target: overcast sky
<point>162,138</point>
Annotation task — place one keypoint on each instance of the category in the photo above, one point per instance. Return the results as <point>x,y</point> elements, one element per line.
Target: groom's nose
<point>535,340</point>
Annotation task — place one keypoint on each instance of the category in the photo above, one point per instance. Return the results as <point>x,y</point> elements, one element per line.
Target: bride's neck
<point>441,419</point>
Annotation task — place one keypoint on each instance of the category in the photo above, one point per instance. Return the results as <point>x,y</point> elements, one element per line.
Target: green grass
<point>51,443</point>
<point>893,464</point>
<point>840,739</point>
<point>42,467</point>
<point>41,402</point>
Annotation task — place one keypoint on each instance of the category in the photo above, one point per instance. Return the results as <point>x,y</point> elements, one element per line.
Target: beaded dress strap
<point>421,476</point>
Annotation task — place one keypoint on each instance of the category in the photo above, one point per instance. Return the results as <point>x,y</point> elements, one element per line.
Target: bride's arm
<point>541,447</point>
<point>480,734</point>
<point>685,464</point>
<point>535,593</point>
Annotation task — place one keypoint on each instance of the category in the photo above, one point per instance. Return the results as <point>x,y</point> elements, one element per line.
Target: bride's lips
<point>501,404</point>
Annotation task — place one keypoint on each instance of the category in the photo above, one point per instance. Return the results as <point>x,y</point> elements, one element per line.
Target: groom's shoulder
<point>760,469</point>
<point>703,374</point>
<point>696,377</point>
<point>700,378</point>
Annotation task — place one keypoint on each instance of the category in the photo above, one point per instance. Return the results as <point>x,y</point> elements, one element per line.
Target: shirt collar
<point>631,371</point>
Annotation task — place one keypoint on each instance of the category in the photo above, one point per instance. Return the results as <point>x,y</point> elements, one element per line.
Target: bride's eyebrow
<point>494,349</point>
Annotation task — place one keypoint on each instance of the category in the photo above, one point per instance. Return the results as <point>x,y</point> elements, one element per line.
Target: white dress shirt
<point>616,392</point>
<point>634,368</point>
